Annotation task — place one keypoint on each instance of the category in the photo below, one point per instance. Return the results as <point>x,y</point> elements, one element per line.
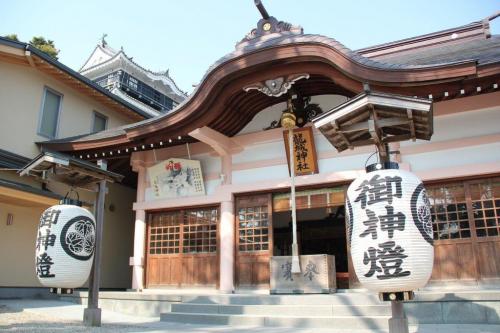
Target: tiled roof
<point>484,51</point>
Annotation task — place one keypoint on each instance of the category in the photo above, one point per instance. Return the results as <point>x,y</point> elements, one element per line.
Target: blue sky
<point>187,36</point>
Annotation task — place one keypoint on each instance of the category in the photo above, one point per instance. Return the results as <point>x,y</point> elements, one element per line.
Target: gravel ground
<point>57,316</point>
<point>14,320</point>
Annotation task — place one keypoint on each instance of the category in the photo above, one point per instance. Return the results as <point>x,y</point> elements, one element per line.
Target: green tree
<point>12,37</point>
<point>44,45</point>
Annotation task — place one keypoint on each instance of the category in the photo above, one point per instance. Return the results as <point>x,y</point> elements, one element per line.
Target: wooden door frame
<point>236,232</point>
<point>473,240</point>
<point>182,211</point>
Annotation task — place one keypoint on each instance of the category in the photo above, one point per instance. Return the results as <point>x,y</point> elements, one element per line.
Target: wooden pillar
<point>226,232</point>
<point>138,260</point>
<point>92,314</point>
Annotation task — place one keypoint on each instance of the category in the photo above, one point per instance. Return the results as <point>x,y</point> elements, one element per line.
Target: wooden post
<point>227,241</point>
<point>398,323</point>
<point>92,314</point>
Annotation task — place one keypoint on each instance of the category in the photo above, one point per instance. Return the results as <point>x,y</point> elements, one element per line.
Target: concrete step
<point>285,310</point>
<point>338,322</point>
<point>331,299</point>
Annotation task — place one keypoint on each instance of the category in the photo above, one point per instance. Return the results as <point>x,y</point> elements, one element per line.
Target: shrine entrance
<point>321,227</point>
<point>182,248</point>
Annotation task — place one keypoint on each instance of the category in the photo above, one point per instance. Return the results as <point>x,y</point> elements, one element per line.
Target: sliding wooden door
<point>182,248</point>
<point>253,240</point>
<point>466,222</point>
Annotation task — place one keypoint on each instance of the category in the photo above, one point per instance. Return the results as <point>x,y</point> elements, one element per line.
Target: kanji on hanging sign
<point>391,240</point>
<point>304,151</point>
<point>176,177</point>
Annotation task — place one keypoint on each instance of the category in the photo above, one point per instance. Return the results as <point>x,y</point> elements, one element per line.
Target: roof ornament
<point>269,24</point>
<point>103,40</point>
<point>277,86</point>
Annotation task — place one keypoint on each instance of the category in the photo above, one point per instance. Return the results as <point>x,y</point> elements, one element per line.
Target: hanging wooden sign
<point>304,151</point>
<point>176,177</point>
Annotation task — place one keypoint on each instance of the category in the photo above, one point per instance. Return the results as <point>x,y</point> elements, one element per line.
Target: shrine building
<point>213,189</point>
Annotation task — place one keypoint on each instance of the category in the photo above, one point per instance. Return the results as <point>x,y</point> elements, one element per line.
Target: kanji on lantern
<point>378,189</point>
<point>43,265</point>
<point>49,217</point>
<point>387,259</point>
<point>45,240</point>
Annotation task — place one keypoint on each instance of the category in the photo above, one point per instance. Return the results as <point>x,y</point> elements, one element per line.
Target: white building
<point>153,92</point>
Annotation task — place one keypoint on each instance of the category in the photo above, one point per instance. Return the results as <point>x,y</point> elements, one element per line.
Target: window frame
<point>41,113</point>
<point>468,183</point>
<point>96,114</point>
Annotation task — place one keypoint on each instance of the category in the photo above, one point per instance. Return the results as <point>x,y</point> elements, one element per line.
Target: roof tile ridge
<point>88,58</point>
<point>101,63</point>
<point>162,74</point>
<point>414,39</point>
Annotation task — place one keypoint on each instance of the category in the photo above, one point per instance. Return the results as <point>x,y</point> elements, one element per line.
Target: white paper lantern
<point>390,231</point>
<point>65,246</point>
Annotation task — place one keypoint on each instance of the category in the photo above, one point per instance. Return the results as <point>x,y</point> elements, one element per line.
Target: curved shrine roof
<point>432,65</point>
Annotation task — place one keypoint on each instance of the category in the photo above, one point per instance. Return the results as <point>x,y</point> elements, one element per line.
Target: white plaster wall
<point>454,157</point>
<point>259,152</point>
<point>463,125</point>
<point>343,163</point>
<point>260,174</point>
<point>95,58</point>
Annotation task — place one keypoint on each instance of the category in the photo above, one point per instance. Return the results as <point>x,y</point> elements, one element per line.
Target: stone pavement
<point>46,316</point>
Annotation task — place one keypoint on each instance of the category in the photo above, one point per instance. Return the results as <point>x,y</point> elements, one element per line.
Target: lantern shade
<point>390,231</point>
<point>65,246</point>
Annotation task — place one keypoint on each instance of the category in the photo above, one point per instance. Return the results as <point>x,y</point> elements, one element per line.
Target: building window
<point>51,106</point>
<point>186,231</point>
<point>485,197</point>
<point>253,228</point>
<point>165,231</point>
<point>132,82</point>
<point>200,231</point>
<point>100,122</point>
<point>465,210</point>
<point>449,211</point>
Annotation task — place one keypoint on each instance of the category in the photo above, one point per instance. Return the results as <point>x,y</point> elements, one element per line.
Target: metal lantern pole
<point>295,248</point>
<point>288,121</point>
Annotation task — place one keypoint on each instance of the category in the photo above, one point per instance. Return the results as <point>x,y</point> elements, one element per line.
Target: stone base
<point>92,317</point>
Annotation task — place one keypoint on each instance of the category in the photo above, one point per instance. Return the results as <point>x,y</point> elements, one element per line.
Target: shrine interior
<point>319,231</point>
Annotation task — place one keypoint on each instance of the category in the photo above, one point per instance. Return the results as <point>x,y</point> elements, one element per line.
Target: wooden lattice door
<point>254,240</point>
<point>182,248</point>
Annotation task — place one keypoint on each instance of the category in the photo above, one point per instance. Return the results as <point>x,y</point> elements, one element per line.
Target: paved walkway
<point>58,316</point>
